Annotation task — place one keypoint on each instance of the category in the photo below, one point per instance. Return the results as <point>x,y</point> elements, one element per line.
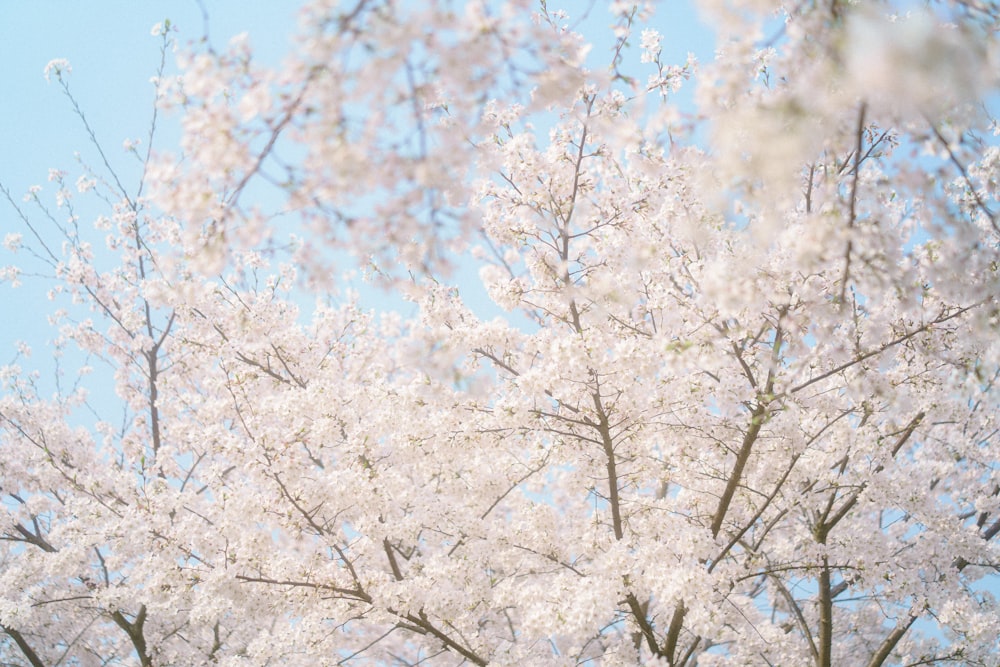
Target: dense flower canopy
<point>731,402</point>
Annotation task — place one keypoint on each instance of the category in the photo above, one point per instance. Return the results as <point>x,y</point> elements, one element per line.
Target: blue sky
<point>113,56</point>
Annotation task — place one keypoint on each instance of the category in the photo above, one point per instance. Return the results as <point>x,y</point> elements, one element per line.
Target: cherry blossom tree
<point>738,408</point>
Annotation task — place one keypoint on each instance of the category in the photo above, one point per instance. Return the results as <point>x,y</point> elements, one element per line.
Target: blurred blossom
<point>914,64</point>
<point>57,67</point>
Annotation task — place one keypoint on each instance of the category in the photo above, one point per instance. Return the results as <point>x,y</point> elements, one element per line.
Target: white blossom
<point>57,68</point>
<point>650,45</point>
<point>12,241</point>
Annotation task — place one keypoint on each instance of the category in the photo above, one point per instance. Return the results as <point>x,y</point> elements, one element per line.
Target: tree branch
<point>134,632</point>
<point>22,644</point>
<point>885,346</point>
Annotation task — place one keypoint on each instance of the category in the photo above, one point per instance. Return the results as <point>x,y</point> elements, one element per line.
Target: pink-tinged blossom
<point>916,64</point>
<point>32,193</point>
<point>57,68</point>
<point>650,45</point>
<point>12,241</point>
<point>84,184</point>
